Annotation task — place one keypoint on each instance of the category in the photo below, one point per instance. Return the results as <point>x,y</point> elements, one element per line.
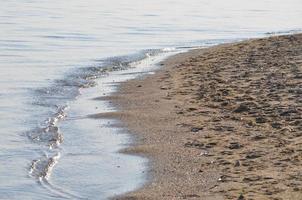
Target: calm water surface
<point>54,53</point>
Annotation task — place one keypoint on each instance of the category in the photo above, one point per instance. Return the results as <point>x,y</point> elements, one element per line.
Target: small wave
<point>70,37</point>
<point>59,191</point>
<point>41,168</point>
<point>169,49</point>
<point>293,31</point>
<point>49,134</point>
<point>63,90</point>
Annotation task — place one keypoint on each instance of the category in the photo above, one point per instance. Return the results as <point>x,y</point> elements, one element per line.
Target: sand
<point>220,123</point>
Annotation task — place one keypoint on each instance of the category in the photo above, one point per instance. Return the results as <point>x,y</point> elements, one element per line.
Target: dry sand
<point>220,123</point>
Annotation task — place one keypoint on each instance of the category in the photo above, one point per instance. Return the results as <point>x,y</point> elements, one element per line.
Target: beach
<point>223,122</point>
<point>71,129</point>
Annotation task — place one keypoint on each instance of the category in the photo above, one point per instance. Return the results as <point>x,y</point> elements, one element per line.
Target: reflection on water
<point>53,51</point>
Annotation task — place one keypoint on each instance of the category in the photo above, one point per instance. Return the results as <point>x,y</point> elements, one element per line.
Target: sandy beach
<point>220,123</point>
<point>161,99</point>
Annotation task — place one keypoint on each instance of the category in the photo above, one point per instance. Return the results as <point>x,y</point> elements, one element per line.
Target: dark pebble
<point>241,197</point>
<point>260,120</point>
<point>235,145</point>
<point>237,163</point>
<point>196,129</point>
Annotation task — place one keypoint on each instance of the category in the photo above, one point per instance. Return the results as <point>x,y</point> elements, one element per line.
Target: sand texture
<point>220,123</point>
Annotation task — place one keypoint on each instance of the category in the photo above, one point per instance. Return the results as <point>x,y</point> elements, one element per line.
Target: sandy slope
<point>220,123</point>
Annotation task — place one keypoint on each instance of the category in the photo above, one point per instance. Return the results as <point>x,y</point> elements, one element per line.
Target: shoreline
<point>219,123</point>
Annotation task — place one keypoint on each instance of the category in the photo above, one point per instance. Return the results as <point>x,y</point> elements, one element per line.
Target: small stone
<point>192,109</point>
<point>296,189</point>
<point>222,178</point>
<point>251,179</point>
<point>276,125</point>
<point>251,123</point>
<point>288,112</point>
<point>191,196</point>
<point>258,137</point>
<point>245,107</point>
<point>267,192</point>
<point>260,120</point>
<point>196,129</point>
<point>194,144</point>
<point>164,88</point>
<point>242,108</point>
<point>204,153</point>
<point>235,145</point>
<point>237,163</point>
<point>241,197</point>
<point>253,155</point>
<point>225,103</point>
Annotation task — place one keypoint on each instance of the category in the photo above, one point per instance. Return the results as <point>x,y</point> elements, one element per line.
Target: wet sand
<point>220,123</point>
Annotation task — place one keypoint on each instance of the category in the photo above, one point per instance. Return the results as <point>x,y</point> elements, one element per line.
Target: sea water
<point>57,57</point>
